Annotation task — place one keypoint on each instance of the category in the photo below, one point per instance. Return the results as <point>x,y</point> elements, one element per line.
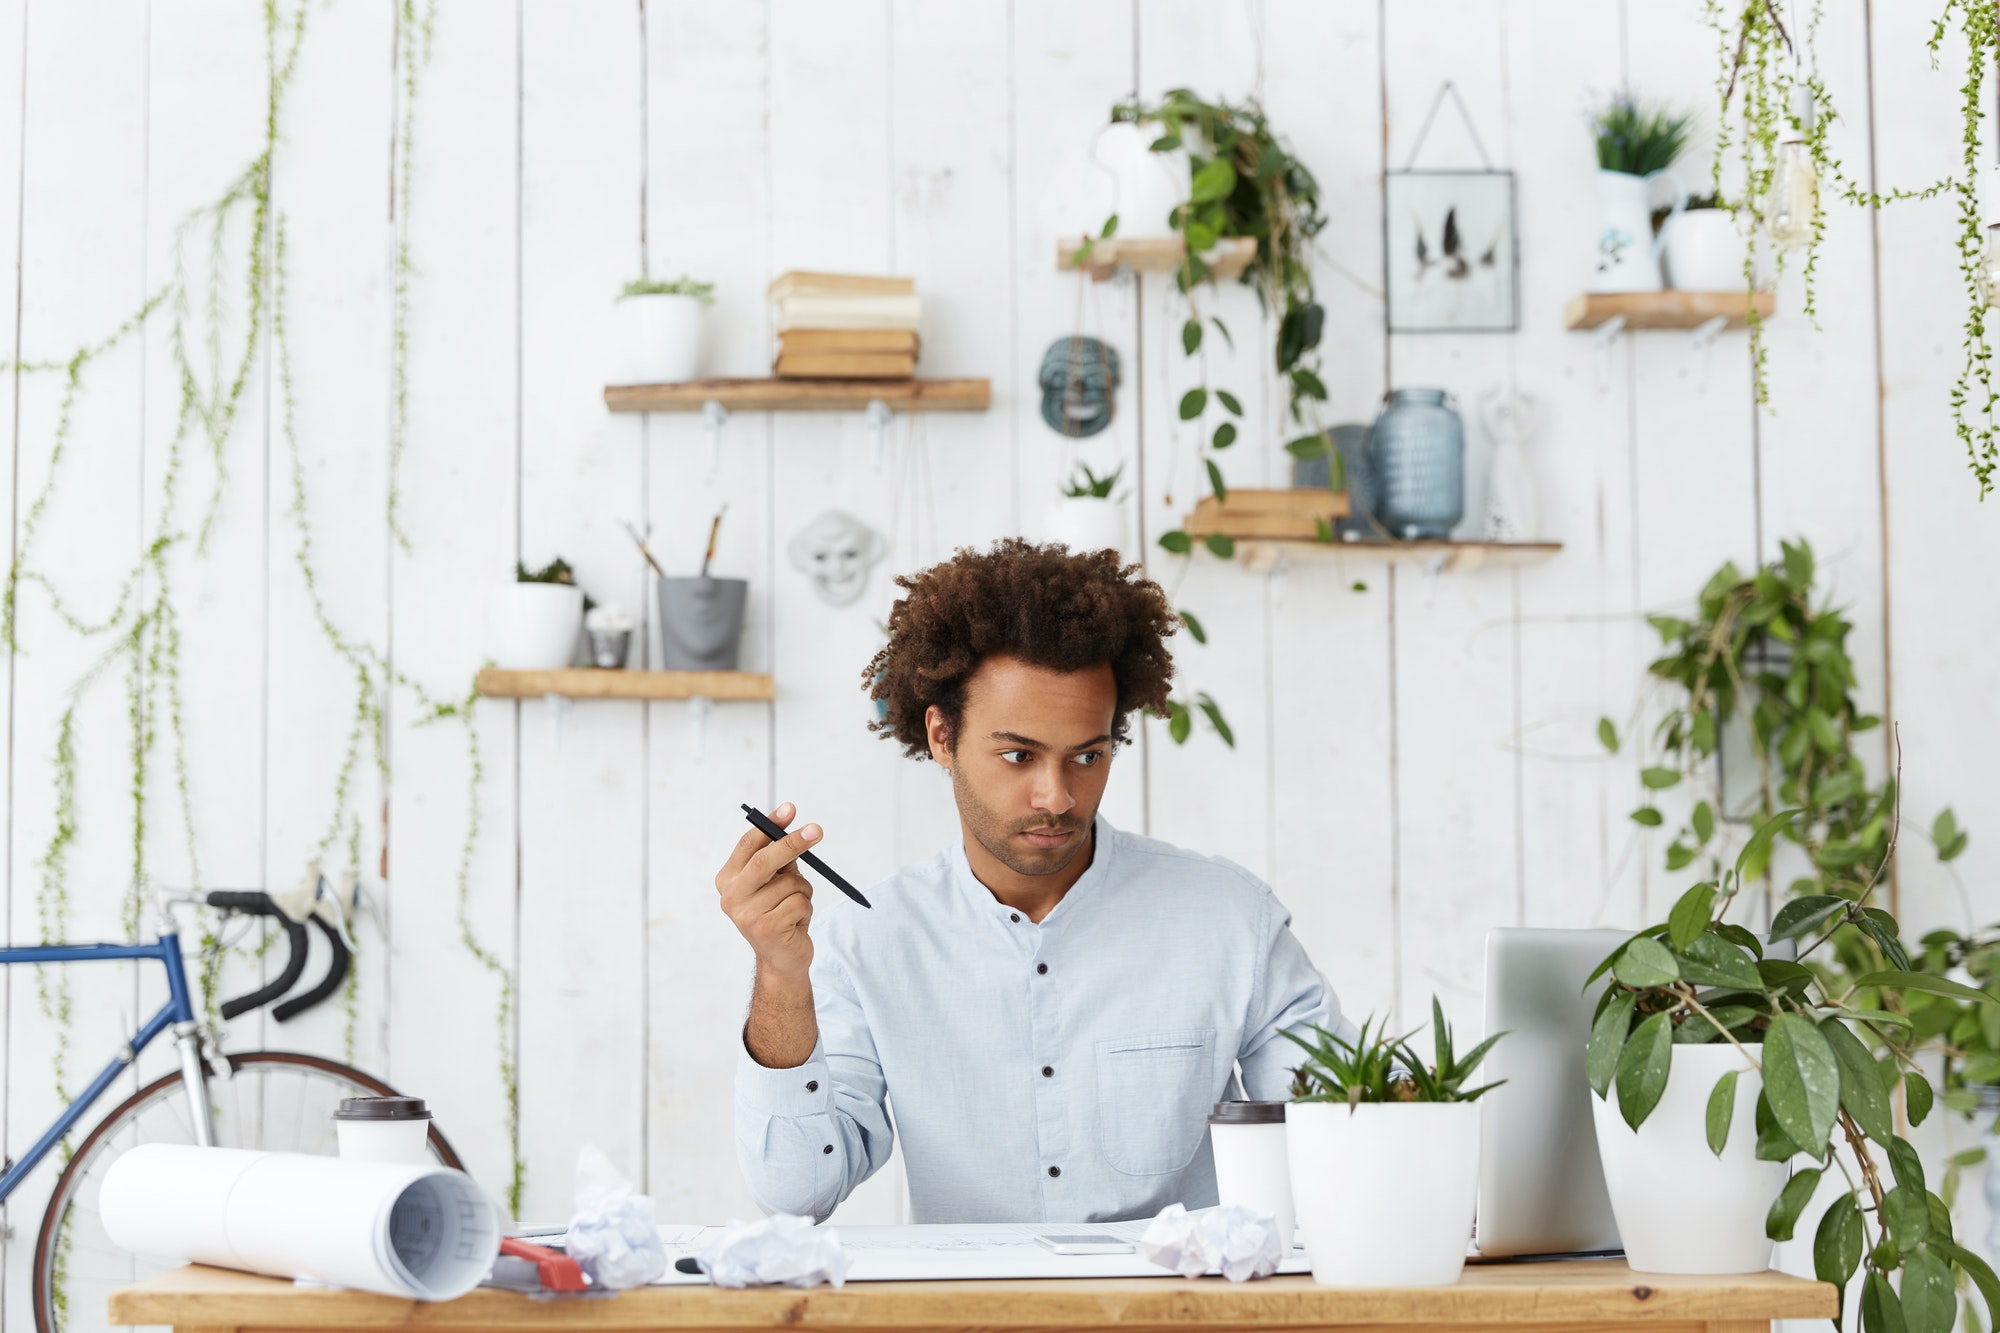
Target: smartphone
<point>1085,1244</point>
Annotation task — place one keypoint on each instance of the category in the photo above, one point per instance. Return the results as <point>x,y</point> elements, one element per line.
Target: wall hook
<point>700,709</point>
<point>714,416</point>
<point>1602,341</point>
<point>878,418</point>
<point>558,711</point>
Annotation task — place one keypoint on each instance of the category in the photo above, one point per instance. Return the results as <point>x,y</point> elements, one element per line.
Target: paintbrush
<point>714,526</point>
<point>641,541</point>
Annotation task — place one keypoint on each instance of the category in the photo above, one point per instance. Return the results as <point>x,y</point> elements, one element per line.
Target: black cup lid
<point>382,1108</point>
<point>1247,1113</point>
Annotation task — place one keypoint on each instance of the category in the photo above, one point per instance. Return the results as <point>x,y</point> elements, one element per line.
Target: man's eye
<point>1090,757</point>
<point>1015,756</point>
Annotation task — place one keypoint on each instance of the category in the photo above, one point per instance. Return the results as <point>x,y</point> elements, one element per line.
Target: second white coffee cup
<point>383,1129</point>
<point>1251,1165</point>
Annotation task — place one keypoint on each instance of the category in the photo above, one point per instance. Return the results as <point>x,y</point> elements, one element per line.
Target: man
<point>1053,1005</point>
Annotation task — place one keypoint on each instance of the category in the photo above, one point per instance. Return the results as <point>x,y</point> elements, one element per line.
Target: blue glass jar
<point>1418,454</point>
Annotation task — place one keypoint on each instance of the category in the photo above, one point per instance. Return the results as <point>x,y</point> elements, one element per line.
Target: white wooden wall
<point>1416,758</point>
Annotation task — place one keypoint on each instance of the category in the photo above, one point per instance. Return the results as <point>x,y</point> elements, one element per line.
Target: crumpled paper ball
<point>614,1237</point>
<point>781,1248</point>
<point>1238,1242</point>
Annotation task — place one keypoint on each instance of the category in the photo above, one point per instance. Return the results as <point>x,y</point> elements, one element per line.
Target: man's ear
<point>938,731</point>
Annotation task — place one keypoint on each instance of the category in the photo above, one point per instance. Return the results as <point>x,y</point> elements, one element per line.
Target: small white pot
<point>1653,1173</point>
<point>533,626</point>
<point>1704,252</point>
<point>1146,186</point>
<point>1384,1192</point>
<point>1086,523</point>
<point>1628,251</point>
<point>659,339</point>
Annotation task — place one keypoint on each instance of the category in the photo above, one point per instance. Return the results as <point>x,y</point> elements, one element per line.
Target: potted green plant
<point>1090,514</point>
<point>1370,1123</point>
<point>660,329</point>
<point>1779,1057</point>
<point>1703,251</point>
<point>1635,146</point>
<point>532,623</point>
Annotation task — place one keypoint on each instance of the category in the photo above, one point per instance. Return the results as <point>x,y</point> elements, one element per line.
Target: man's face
<point>1032,754</point>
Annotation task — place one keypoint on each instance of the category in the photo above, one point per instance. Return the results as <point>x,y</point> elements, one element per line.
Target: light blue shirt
<point>1052,1072</point>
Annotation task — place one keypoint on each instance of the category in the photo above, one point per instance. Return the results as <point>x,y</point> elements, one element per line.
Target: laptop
<point>1541,1189</point>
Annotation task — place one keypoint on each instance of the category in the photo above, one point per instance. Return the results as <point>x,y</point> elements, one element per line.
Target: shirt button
<point>1013,916</point>
<point>1048,1071</point>
<point>1041,969</point>
<point>812,1086</point>
<point>827,1148</point>
<point>1055,1170</point>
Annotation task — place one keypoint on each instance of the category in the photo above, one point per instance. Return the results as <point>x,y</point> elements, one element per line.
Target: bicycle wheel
<point>274,1100</point>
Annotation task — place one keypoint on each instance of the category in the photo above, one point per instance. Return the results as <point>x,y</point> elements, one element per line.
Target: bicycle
<point>282,1100</point>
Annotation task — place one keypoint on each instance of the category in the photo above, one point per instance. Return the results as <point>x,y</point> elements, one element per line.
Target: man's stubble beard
<point>995,834</point>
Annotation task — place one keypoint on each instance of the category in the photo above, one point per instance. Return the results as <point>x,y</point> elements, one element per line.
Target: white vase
<point>1628,253</point>
<point>1681,1208</point>
<point>1704,252</point>
<point>1146,186</point>
<point>533,626</point>
<point>1085,523</point>
<point>1384,1192</point>
<point>659,339</point>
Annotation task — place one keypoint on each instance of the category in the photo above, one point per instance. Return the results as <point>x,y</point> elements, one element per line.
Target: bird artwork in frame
<point>1450,253</point>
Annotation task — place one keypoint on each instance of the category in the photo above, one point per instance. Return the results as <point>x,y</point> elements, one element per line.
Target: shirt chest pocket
<point>1153,1094</point>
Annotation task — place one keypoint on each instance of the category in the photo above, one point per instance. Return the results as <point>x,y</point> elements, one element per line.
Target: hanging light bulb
<point>1794,197</point>
<point>1989,267</point>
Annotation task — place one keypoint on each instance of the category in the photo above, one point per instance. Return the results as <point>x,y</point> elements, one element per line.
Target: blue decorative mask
<point>1079,382</point>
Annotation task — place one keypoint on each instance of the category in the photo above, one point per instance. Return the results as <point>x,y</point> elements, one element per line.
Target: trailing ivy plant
<point>1697,979</point>
<point>1380,1068</point>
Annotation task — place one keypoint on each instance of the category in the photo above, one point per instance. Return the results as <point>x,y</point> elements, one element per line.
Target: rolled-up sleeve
<point>806,1136</point>
<point>1290,995</point>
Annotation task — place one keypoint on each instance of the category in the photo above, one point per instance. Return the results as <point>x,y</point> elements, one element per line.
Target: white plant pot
<point>1704,252</point>
<point>1653,1173</point>
<point>1628,253</point>
<point>1086,523</point>
<point>1145,186</point>
<point>1384,1193</point>
<point>659,339</point>
<point>533,626</point>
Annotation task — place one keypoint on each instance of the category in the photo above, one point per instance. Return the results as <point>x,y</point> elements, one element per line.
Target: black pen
<point>764,826</point>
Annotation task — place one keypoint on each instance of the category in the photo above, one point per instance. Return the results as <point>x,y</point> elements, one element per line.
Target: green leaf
<point>1220,545</point>
<point>1670,627</point>
<point>1907,1214</point>
<point>1110,228</point>
<point>1981,1274</point>
<point>1759,846</point>
<point>1702,820</point>
<point>1317,445</point>
<point>1802,1080</point>
<point>1305,384</point>
<point>1783,974</point>
<point>1643,1067</point>
<point>1225,435</point>
<point>1180,722</point>
<point>1193,403</point>
<point>1930,1298</point>
<point>1802,915</point>
<point>1658,779</point>
<point>1837,1244</point>
<point>1222,329</point>
<point>1607,1040</point>
<point>1927,982</point>
<point>1823,734</point>
<point>1177,541</point>
<point>1215,719</point>
<point>1229,403</point>
<point>1190,336</point>
<point>1193,626</point>
<point>1721,1110</point>
<point>1773,1145</point>
<point>1862,1091</point>
<point>1689,916</point>
<point>1881,1312</point>
<point>1904,1164</point>
<point>1607,735</point>
<point>1648,816</point>
<point>1323,531</point>
<point>1703,729</point>
<point>1646,962</point>
<point>1740,937</point>
<point>1214,181</point>
<point>1680,855</point>
<point>1946,834</point>
<point>1798,565</point>
<point>1917,1097</point>
<point>1791,1201</point>
<point>1710,960</point>
<point>1215,480</point>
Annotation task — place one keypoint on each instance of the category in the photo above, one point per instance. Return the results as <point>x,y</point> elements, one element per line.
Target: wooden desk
<point>1580,1297</point>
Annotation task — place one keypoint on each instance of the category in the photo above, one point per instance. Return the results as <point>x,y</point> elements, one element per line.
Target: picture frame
<point>1450,252</point>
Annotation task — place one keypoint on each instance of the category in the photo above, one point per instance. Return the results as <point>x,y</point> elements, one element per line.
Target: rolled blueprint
<point>398,1228</point>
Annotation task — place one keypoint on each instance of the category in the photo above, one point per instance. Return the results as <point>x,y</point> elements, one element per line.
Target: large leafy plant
<point>1376,1067</point>
<point>1697,979</point>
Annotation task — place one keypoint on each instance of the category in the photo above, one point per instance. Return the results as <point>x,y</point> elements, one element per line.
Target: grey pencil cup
<point>701,623</point>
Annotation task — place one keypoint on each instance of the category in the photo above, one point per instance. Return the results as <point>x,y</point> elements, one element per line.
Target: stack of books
<point>845,326</point>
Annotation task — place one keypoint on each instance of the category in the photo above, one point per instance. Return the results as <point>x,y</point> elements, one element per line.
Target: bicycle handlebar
<point>254,903</point>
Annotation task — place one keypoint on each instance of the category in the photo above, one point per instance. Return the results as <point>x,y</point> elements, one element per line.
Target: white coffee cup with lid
<point>383,1129</point>
<point>1252,1166</point>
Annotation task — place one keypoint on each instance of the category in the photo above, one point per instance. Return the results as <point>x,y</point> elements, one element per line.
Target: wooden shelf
<point>1227,260</point>
<point>1291,513</point>
<point>1668,309</point>
<point>1262,554</point>
<point>595,683</point>
<point>799,395</point>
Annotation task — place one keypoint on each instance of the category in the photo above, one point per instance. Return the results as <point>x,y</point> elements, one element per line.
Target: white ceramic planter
<point>1384,1193</point>
<point>1086,524</point>
<point>533,626</point>
<point>659,339</point>
<point>1628,253</point>
<point>1704,253</point>
<point>1680,1208</point>
<point>1145,186</point>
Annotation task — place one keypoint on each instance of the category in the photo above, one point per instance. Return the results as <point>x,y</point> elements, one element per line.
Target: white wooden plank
<point>16,997</point>
<point>582,790</point>
<point>705,63</point>
<point>458,505</point>
<point>1070,64</point>
<point>83,250</point>
<point>1333,831</point>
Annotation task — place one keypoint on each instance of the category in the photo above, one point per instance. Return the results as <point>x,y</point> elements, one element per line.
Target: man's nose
<point>1052,789</point>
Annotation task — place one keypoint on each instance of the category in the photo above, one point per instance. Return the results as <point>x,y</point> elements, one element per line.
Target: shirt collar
<point>1104,848</point>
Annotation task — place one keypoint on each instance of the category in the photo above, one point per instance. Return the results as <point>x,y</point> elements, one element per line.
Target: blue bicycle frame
<point>177,1013</point>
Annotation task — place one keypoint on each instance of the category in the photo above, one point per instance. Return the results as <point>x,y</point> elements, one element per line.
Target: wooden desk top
<point>1593,1292</point>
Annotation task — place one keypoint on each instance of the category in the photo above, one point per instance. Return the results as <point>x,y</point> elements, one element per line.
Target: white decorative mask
<point>836,551</point>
